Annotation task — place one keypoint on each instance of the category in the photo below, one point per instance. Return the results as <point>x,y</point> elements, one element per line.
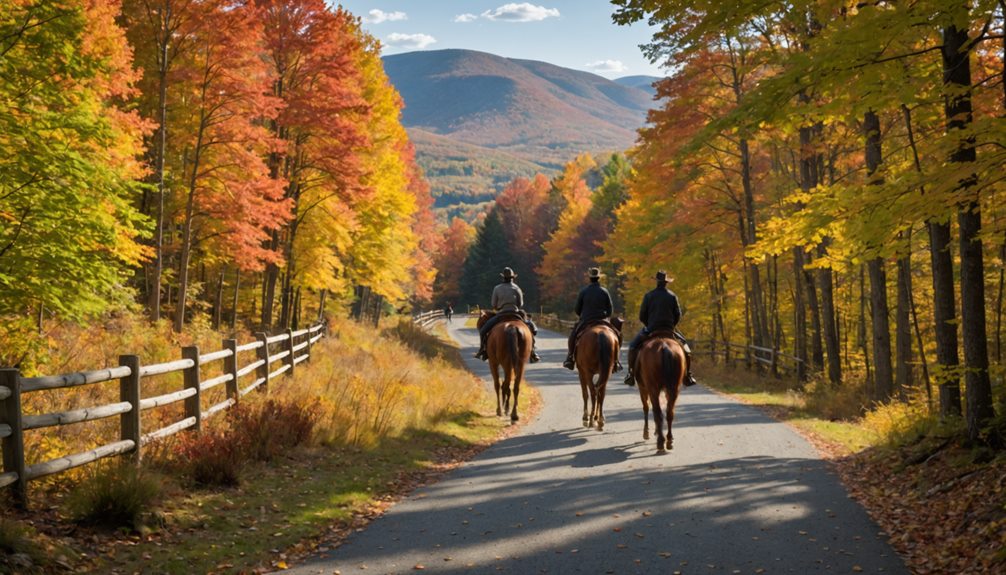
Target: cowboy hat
<point>507,274</point>
<point>661,276</point>
<point>594,273</point>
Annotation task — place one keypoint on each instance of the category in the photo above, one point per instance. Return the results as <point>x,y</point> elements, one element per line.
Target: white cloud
<point>606,66</point>
<point>410,41</point>
<point>466,17</point>
<point>376,16</point>
<point>523,12</point>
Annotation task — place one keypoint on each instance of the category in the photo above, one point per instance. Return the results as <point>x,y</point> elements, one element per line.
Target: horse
<point>660,366</point>
<point>596,353</point>
<point>509,347</point>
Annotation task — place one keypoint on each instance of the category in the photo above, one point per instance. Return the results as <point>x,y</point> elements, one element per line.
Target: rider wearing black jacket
<point>660,310</point>
<point>592,304</point>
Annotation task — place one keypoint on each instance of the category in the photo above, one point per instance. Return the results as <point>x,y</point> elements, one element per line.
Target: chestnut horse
<point>596,354</point>
<point>508,347</point>
<point>660,366</point>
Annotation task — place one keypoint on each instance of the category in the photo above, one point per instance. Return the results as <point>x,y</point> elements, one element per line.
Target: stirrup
<point>569,363</point>
<point>535,358</point>
<point>618,367</point>
<point>630,379</point>
<point>689,380</point>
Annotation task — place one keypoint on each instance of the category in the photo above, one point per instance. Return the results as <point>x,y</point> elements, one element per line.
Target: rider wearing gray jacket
<point>507,298</point>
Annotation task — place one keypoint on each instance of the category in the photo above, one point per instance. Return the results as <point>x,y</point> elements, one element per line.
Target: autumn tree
<point>230,202</point>
<point>69,229</point>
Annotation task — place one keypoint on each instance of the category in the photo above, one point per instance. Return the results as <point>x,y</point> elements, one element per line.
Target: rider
<point>660,310</point>
<point>448,311</point>
<point>507,298</point>
<point>593,304</point>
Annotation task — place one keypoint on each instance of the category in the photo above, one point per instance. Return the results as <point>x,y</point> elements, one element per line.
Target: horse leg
<point>672,397</point>
<point>586,395</point>
<point>494,368</point>
<point>645,398</point>
<point>518,375</point>
<point>601,388</point>
<point>658,420</point>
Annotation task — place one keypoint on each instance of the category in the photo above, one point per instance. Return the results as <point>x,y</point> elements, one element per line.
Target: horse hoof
<point>514,418</point>
<point>646,436</point>
<point>661,451</point>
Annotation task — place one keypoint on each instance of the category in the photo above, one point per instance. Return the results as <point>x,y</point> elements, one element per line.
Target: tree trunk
<point>958,112</point>
<point>826,279</point>
<point>884,378</point>
<point>817,344</point>
<point>861,331</point>
<point>799,316</point>
<point>234,302</point>
<point>218,302</point>
<point>164,41</point>
<point>902,321</point>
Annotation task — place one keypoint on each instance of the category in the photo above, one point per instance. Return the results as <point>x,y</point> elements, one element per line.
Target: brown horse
<point>508,347</point>
<point>596,354</point>
<point>660,366</point>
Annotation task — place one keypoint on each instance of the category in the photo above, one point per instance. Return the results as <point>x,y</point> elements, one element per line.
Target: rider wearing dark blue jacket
<point>660,310</point>
<point>592,304</point>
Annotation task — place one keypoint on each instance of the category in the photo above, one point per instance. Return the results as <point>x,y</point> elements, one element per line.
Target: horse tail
<point>604,350</point>
<point>514,341</point>
<point>667,369</point>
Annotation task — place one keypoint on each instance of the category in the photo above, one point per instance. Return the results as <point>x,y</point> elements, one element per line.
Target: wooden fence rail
<point>425,319</point>
<point>130,372</point>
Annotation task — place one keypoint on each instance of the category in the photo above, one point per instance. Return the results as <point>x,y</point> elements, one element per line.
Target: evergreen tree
<point>488,256</point>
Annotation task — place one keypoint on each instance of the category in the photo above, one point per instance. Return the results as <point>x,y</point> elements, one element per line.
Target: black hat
<point>594,273</point>
<point>508,274</point>
<point>662,277</point>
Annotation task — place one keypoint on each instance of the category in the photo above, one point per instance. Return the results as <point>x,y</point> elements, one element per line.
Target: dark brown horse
<point>508,347</point>
<point>660,366</point>
<point>596,354</point>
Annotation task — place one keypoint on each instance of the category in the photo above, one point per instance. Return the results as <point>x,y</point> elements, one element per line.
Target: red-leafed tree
<point>310,50</point>
<point>231,202</point>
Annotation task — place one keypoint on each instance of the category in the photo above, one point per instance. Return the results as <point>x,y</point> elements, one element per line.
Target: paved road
<point>740,493</point>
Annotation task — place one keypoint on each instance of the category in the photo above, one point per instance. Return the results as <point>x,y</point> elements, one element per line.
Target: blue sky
<point>575,34</point>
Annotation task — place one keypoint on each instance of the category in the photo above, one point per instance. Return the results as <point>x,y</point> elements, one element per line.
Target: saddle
<point>506,315</point>
<point>614,323</point>
<point>670,334</point>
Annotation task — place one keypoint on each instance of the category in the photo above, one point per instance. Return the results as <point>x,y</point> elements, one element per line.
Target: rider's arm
<point>496,298</point>
<point>609,307</point>
<point>579,303</point>
<point>519,295</point>
<point>643,309</point>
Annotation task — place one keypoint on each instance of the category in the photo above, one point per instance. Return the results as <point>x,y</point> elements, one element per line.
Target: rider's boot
<point>689,378</point>
<point>481,353</point>
<point>618,366</point>
<point>535,358</point>
<point>569,363</point>
<point>630,378</point>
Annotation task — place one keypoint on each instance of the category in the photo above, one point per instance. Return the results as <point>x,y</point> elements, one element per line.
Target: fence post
<point>13,445</point>
<point>231,367</point>
<point>129,390</point>
<point>263,354</point>
<point>289,348</point>
<point>192,404</point>
<point>310,336</point>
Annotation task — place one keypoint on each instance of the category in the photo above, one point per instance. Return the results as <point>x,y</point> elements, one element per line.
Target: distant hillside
<point>644,83</point>
<point>479,120</point>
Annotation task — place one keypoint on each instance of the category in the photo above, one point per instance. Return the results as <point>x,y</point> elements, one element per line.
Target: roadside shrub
<point>417,339</point>
<point>113,495</point>
<point>264,430</point>
<point>898,422</point>
<point>212,457</point>
<point>844,402</point>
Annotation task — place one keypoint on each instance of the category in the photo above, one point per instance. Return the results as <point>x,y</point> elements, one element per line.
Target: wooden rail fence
<point>425,319</point>
<point>291,348</point>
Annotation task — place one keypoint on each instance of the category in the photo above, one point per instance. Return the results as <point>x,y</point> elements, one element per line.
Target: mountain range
<point>479,120</point>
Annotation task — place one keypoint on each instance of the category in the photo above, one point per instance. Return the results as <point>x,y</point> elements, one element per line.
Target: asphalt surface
<point>739,493</point>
